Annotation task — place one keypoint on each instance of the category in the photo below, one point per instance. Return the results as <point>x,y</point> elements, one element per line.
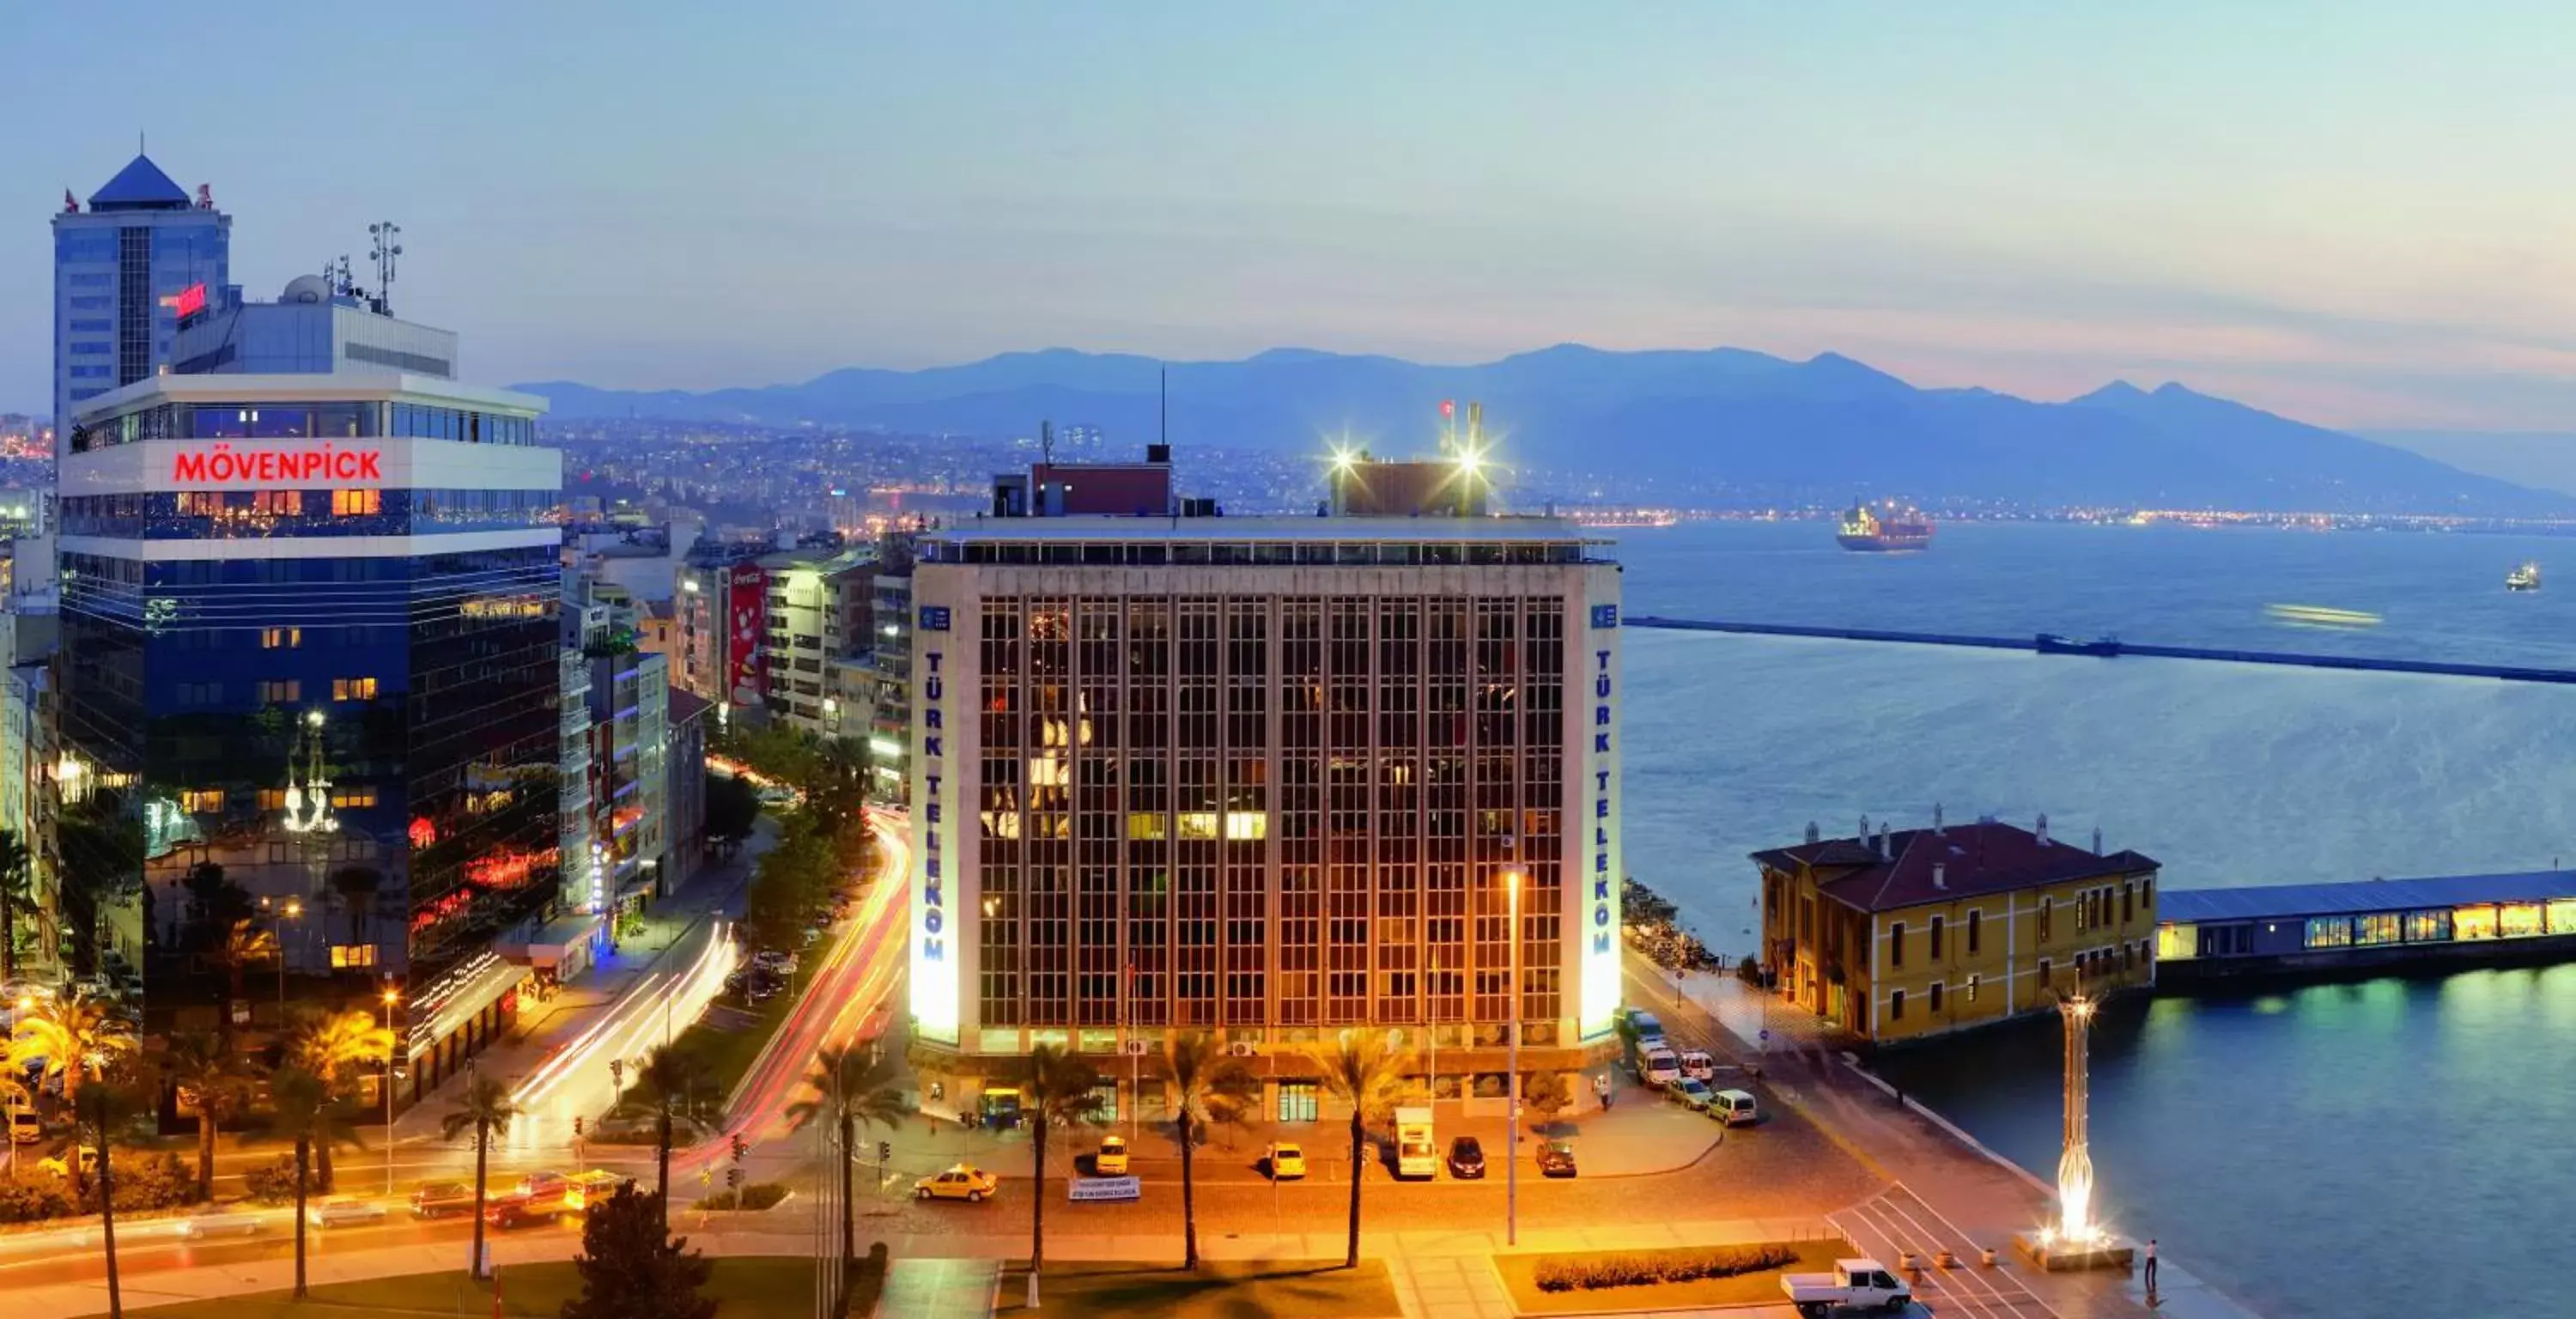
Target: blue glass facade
<point>112,272</point>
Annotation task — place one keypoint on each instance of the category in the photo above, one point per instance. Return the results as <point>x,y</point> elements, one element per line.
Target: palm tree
<point>1060,1091</point>
<point>1205,1082</point>
<point>1366,1071</point>
<point>99,1111</point>
<point>17,889</point>
<point>303,1107</point>
<point>670,1076</point>
<point>487,1111</point>
<point>851,1087</point>
<point>76,1035</point>
<point>338,1047</point>
<point>244,946</point>
<point>202,1064</point>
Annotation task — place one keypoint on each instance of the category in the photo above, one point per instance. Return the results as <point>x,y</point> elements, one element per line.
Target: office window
<point>1896,1006</point>
<point>1936,996</point>
<point>1936,938</point>
<point>2377,927</point>
<point>2128,900</point>
<point>2046,910</point>
<point>1976,918</point>
<point>201,801</point>
<point>1896,944</point>
<point>285,692</point>
<point>353,798</point>
<point>345,956</point>
<point>357,503</point>
<point>274,799</point>
<point>1972,987</point>
<point>353,689</point>
<point>281,638</point>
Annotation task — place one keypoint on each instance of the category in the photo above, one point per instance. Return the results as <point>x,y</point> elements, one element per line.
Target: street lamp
<point>391,998</point>
<point>277,930</point>
<point>1512,1079</point>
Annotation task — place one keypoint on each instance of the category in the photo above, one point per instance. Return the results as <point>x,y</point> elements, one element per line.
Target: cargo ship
<point>1889,527</point>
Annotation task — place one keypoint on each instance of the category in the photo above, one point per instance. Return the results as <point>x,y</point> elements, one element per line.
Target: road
<point>849,993</point>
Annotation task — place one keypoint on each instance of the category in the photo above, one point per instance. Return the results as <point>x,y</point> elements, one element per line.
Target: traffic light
<point>885,1151</point>
<point>733,1178</point>
<point>739,1147</point>
<point>576,1124</point>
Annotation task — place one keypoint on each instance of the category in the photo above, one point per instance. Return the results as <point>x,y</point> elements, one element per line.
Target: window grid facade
<point>1148,762</point>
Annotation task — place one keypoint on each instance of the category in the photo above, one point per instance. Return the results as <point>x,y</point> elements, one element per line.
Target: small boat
<point>2524,578</point>
<point>2049,643</point>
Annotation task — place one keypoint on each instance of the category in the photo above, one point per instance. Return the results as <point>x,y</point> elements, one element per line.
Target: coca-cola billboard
<point>745,622</point>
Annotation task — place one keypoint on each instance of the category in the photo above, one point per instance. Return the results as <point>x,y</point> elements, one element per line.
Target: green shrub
<point>755,1197</point>
<point>144,1182</point>
<point>28,1194</point>
<point>1591,1273</point>
<point>275,1182</point>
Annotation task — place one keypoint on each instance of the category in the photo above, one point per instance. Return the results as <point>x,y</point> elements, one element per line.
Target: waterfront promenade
<point>1945,1189</point>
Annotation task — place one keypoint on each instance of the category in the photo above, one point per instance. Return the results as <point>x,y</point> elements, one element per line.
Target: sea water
<point>2350,1150</point>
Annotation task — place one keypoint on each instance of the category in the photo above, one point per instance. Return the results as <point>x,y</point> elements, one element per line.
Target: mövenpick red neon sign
<point>307,463</point>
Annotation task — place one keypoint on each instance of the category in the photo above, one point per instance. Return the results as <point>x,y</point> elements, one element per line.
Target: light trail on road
<point>577,1082</point>
<point>845,998</point>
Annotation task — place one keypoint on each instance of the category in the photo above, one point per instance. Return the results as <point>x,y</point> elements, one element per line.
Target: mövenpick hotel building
<point>1268,778</point>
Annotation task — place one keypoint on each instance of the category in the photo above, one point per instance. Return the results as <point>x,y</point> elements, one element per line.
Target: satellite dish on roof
<point>306,289</point>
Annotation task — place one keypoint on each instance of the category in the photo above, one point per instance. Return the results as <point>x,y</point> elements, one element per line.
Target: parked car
<point>1466,1158</point>
<point>1287,1161</point>
<point>344,1211</point>
<point>1111,1161</point>
<point>1698,1065</point>
<point>1661,1068</point>
<point>1556,1159</point>
<point>25,1128</point>
<point>439,1199</point>
<point>1735,1108</point>
<point>1859,1284</point>
<point>776,961</point>
<point>961,1182</point>
<point>1689,1094</point>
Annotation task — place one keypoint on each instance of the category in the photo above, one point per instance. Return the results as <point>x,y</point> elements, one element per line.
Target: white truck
<point>1415,1154</point>
<point>1855,1284</point>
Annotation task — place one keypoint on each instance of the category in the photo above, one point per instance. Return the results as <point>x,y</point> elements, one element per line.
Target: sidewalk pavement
<point>1950,1190</point>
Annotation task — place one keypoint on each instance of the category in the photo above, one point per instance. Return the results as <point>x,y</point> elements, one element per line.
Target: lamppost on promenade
<point>2076,1240</point>
<point>1512,1078</point>
<point>392,1051</point>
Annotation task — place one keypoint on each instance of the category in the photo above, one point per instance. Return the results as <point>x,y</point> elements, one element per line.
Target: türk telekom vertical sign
<point>746,619</point>
<point>1601,907</point>
<point>934,959</point>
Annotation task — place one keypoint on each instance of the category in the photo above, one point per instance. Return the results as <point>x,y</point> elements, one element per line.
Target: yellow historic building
<point>1909,933</point>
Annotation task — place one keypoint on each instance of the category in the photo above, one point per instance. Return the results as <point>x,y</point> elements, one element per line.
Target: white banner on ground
<point>1105,1188</point>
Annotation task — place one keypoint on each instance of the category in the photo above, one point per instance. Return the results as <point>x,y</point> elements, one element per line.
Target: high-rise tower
<point>124,268</point>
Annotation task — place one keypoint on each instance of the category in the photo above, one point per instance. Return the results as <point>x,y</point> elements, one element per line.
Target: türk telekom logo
<point>221,464</point>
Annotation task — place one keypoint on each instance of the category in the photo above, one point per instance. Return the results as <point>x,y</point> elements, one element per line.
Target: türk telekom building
<point>309,639</point>
<point>1267,778</point>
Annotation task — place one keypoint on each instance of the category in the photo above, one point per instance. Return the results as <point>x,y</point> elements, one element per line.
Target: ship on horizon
<point>2524,578</point>
<point>1888,527</point>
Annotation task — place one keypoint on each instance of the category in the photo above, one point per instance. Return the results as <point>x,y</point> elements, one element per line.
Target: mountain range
<point>1717,422</point>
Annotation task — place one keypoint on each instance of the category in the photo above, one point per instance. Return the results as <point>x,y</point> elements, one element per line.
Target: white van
<point>1661,1069</point>
<point>1735,1108</point>
<point>1698,1066</point>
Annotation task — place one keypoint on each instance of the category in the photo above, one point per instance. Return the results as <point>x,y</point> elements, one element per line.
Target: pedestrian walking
<point>2151,1268</point>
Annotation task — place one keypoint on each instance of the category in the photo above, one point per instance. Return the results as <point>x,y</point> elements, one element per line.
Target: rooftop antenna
<point>1046,441</point>
<point>1163,375</point>
<point>384,233</point>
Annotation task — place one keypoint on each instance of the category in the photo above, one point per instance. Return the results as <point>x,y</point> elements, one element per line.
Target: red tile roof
<point>1974,859</point>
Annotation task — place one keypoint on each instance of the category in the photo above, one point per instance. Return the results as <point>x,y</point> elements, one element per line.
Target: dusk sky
<point>2355,214</point>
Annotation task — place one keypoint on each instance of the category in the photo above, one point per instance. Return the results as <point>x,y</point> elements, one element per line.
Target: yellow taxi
<point>962,1182</point>
<point>1286,1160</point>
<point>1111,1161</point>
<point>590,1188</point>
